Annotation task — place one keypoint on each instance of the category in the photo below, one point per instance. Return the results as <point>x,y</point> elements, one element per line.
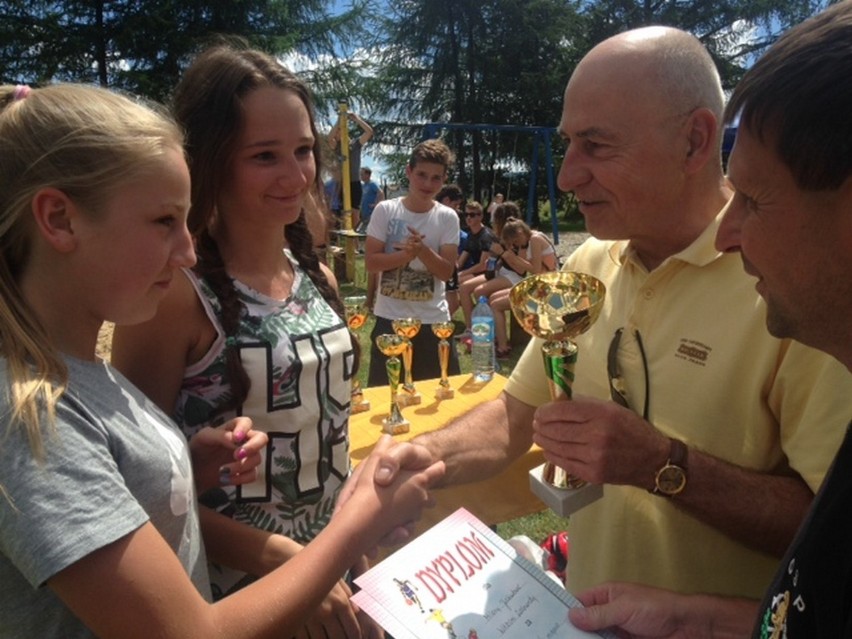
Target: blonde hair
<point>86,142</point>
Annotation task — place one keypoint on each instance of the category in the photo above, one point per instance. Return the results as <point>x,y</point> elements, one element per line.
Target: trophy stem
<point>444,391</point>
<point>410,395</point>
<point>395,422</point>
<point>560,358</point>
<point>358,404</point>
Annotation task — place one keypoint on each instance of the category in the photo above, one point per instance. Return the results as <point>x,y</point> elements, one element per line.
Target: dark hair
<point>208,104</point>
<point>798,98</point>
<point>502,214</point>
<point>451,191</point>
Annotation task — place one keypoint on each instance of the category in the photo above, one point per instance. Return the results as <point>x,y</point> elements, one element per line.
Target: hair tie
<point>230,342</point>
<point>21,91</point>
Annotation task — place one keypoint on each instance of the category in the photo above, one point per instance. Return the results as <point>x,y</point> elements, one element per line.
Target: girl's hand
<point>394,502</point>
<point>227,455</point>
<point>394,457</point>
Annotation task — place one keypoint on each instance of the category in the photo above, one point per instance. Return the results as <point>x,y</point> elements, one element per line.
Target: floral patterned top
<point>298,355</point>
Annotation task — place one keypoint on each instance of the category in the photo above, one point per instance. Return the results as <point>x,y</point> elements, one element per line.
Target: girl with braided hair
<point>256,328</point>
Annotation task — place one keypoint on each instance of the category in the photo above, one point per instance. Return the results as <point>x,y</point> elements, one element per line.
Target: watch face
<point>671,480</point>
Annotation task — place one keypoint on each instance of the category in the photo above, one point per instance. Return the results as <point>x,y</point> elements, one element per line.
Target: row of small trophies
<point>393,345</point>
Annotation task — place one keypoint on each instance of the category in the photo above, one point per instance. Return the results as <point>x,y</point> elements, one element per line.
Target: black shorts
<point>453,283</point>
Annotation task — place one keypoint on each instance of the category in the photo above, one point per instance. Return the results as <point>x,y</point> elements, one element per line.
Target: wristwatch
<point>671,478</point>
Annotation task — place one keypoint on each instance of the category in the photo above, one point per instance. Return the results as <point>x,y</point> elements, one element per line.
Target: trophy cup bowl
<point>392,346</point>
<point>557,307</point>
<point>356,316</point>
<point>443,331</point>
<point>408,327</point>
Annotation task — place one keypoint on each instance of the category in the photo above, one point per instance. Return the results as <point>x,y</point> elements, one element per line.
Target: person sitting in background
<point>474,257</point>
<point>526,252</point>
<point>451,195</point>
<point>492,279</point>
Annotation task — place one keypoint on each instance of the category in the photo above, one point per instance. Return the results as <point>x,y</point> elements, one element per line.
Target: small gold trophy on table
<point>393,346</point>
<point>356,316</point>
<point>557,307</point>
<point>408,327</point>
<point>443,331</point>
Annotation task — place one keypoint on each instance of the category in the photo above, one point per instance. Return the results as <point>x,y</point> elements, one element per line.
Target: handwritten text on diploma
<point>455,566</point>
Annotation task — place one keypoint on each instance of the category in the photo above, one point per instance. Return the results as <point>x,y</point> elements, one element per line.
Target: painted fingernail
<point>239,436</point>
<point>225,476</point>
<point>242,453</point>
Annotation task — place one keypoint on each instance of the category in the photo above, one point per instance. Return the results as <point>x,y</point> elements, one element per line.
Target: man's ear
<point>702,130</point>
<point>53,212</point>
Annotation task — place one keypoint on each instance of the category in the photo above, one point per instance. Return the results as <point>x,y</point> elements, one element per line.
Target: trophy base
<point>406,398</point>
<point>563,501</point>
<point>395,428</point>
<point>444,393</point>
<point>359,407</point>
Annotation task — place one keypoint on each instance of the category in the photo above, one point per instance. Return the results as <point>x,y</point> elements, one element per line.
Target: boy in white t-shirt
<point>412,242</point>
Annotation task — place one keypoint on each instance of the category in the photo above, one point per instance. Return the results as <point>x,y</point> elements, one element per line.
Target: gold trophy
<point>393,346</point>
<point>408,327</point>
<point>356,317</point>
<point>443,331</point>
<point>557,307</point>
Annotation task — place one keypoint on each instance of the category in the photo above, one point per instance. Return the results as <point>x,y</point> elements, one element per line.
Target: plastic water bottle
<point>482,348</point>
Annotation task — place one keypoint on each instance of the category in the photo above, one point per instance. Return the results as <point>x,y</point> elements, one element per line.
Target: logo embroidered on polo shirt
<point>693,351</point>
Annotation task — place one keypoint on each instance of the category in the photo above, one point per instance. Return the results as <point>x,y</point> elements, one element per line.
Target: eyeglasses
<point>617,389</point>
<point>469,214</point>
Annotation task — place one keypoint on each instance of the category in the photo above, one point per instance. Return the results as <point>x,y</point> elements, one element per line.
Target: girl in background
<point>99,526</point>
<point>524,252</point>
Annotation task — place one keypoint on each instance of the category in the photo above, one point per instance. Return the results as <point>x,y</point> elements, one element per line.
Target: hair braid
<point>211,267</point>
<point>300,242</point>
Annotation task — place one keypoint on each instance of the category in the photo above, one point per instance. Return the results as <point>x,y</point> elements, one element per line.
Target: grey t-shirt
<point>114,463</point>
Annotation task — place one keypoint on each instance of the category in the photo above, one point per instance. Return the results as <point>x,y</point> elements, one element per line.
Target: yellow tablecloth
<point>495,500</point>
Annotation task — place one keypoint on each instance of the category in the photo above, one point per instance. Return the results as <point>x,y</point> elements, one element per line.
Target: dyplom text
<point>447,572</point>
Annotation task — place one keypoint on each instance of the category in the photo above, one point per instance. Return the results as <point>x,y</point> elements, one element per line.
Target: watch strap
<point>678,453</point>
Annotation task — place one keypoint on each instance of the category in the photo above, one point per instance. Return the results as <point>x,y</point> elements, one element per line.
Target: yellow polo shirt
<point>720,383</point>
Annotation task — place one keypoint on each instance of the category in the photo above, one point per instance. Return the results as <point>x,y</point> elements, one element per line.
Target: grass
<point>536,526</point>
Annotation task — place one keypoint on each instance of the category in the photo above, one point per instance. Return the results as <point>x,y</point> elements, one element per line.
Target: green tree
<point>474,61</point>
<point>143,45</point>
<point>734,31</point>
<point>507,61</point>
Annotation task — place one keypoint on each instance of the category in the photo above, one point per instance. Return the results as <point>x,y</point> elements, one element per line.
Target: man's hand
<point>634,610</point>
<point>600,441</point>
